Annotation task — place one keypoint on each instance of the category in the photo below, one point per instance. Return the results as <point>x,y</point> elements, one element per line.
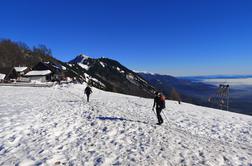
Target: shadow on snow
<point>119,119</point>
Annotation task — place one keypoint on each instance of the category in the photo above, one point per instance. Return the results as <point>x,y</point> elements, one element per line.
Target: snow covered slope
<point>55,126</point>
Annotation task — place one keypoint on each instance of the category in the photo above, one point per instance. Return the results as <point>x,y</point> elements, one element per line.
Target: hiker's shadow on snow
<point>118,119</point>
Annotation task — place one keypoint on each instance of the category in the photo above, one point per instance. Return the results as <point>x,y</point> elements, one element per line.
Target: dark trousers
<point>159,117</point>
<point>88,97</point>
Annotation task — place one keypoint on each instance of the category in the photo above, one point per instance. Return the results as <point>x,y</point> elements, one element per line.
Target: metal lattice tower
<point>221,98</point>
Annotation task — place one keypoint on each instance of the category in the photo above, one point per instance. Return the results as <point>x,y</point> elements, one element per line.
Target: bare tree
<point>175,95</point>
<point>42,50</point>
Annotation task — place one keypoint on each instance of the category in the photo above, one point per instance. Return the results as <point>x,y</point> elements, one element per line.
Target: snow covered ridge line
<point>58,127</point>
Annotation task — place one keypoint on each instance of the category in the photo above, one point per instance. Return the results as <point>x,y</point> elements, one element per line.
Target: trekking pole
<point>165,117</point>
<point>153,111</point>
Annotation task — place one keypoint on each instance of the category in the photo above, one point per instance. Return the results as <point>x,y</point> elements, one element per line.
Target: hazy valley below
<point>198,89</point>
<point>240,90</point>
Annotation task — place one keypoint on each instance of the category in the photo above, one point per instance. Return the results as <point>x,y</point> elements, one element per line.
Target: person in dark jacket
<point>160,104</point>
<point>88,91</point>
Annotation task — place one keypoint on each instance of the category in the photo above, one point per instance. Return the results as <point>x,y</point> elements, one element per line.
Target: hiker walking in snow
<point>88,91</point>
<point>159,102</point>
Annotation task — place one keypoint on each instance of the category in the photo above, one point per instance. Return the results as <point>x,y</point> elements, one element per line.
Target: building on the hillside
<point>56,70</point>
<point>14,73</point>
<point>39,75</point>
<point>2,76</point>
<point>21,71</point>
<point>10,73</point>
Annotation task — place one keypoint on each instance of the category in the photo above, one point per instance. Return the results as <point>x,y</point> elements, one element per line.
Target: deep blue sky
<point>179,37</point>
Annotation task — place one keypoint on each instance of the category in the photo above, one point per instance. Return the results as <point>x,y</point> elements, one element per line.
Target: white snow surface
<point>119,70</point>
<point>63,67</point>
<point>20,69</point>
<point>38,72</point>
<point>97,81</point>
<point>2,76</point>
<point>102,64</point>
<point>56,126</point>
<point>86,67</point>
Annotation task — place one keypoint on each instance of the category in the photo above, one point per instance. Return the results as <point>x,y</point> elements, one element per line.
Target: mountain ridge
<point>114,76</point>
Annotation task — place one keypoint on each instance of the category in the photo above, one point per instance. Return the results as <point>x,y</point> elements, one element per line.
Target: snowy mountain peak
<point>84,56</point>
<point>80,59</point>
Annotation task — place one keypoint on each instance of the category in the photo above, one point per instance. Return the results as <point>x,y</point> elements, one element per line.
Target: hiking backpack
<point>162,101</point>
